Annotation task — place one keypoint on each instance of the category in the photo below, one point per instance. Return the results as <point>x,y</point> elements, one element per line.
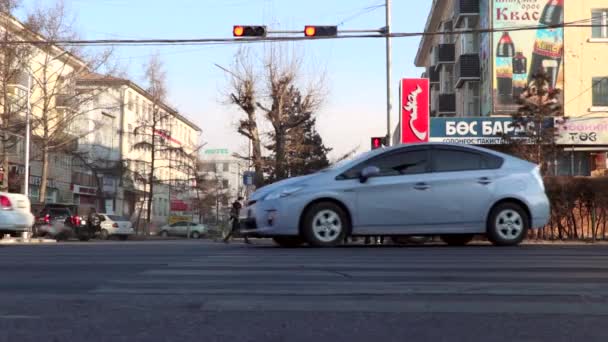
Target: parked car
<point>15,214</point>
<point>454,191</point>
<point>58,221</point>
<point>115,225</point>
<point>183,228</point>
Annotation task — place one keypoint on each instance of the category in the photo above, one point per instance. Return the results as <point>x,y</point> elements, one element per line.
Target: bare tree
<point>285,105</point>
<point>13,85</point>
<point>154,135</point>
<point>243,94</point>
<point>59,118</point>
<point>8,6</point>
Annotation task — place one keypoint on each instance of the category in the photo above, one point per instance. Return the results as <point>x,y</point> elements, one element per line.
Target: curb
<point>15,241</point>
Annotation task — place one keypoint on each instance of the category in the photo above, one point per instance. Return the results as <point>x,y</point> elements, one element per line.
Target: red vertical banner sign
<point>415,110</point>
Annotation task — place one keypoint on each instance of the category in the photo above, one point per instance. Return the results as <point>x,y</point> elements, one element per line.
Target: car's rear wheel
<point>325,225</point>
<point>288,241</point>
<point>508,224</point>
<point>457,239</point>
<point>84,236</point>
<point>195,235</point>
<point>164,233</point>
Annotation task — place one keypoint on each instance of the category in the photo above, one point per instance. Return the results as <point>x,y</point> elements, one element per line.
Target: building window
<point>472,101</point>
<point>600,23</point>
<point>137,106</point>
<point>600,92</point>
<point>129,101</point>
<point>469,43</point>
<point>447,79</point>
<point>226,167</point>
<point>448,27</point>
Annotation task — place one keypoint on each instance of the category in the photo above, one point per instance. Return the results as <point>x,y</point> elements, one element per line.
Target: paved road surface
<point>202,291</point>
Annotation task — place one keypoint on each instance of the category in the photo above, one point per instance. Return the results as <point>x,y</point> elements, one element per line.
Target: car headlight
<point>288,191</point>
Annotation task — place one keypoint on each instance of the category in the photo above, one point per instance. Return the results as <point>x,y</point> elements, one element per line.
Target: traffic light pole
<point>389,81</point>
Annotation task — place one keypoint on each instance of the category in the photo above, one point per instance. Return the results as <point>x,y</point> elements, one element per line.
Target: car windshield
<point>346,161</point>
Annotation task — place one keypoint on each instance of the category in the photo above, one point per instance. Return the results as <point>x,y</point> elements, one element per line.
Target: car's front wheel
<point>195,235</point>
<point>288,241</point>
<point>508,224</point>
<point>325,225</point>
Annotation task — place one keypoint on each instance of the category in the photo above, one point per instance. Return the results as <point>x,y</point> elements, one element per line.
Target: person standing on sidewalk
<point>234,218</point>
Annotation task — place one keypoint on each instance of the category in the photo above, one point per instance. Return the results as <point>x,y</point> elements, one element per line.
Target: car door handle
<point>422,186</point>
<point>484,181</point>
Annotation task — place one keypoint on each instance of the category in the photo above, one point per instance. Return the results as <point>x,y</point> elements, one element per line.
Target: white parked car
<point>114,225</point>
<point>183,228</point>
<point>15,213</point>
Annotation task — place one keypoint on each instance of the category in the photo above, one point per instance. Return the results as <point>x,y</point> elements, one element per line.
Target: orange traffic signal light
<point>249,31</point>
<point>238,31</point>
<point>320,31</point>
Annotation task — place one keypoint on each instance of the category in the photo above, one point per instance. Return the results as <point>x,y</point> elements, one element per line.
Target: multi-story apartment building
<point>490,50</point>
<point>106,118</point>
<point>125,112</point>
<point>45,71</point>
<point>228,171</point>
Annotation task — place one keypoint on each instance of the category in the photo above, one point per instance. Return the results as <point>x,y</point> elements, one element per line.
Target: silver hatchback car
<point>454,191</point>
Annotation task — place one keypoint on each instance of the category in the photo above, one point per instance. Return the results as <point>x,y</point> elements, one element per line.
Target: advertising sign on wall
<point>519,54</point>
<point>582,131</point>
<point>472,131</point>
<point>415,110</point>
<point>485,59</point>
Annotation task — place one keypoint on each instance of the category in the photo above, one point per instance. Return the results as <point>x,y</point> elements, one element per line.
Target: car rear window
<point>450,160</point>
<point>492,162</point>
<point>117,218</point>
<point>447,160</point>
<point>59,212</point>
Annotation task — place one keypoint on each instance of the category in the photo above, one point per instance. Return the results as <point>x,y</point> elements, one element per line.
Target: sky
<point>355,105</point>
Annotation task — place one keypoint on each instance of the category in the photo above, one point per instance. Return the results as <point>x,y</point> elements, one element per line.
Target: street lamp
<point>28,128</point>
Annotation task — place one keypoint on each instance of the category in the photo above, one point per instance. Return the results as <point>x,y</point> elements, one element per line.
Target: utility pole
<point>389,81</point>
<point>26,187</point>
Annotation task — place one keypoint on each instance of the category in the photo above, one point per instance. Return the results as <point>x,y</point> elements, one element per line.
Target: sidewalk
<point>25,240</point>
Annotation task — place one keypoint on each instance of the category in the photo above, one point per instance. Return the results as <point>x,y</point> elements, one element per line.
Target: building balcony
<point>466,10</point>
<point>446,104</point>
<point>445,54</point>
<point>65,101</point>
<point>467,69</point>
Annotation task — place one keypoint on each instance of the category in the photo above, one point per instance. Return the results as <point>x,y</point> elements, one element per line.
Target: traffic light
<point>249,31</point>
<point>320,31</point>
<point>378,142</point>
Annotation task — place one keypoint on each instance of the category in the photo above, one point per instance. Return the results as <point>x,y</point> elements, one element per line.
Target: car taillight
<point>47,218</point>
<point>115,225</point>
<point>5,203</point>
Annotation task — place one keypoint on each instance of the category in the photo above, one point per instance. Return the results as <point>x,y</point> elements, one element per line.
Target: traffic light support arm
<point>380,30</point>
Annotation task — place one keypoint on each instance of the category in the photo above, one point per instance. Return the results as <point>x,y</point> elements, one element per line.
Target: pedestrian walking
<point>234,220</point>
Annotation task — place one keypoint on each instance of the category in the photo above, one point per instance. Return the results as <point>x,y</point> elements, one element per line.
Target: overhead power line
<point>212,41</point>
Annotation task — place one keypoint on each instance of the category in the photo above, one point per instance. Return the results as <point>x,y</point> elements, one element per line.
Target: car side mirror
<point>369,172</point>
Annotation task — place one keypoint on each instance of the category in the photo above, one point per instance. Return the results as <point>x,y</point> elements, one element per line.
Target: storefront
<point>583,141</point>
<point>85,198</point>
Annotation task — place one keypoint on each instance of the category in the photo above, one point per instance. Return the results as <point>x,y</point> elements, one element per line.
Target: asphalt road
<point>204,291</point>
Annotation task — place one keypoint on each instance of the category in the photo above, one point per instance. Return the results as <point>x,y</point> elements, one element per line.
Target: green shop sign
<point>217,151</point>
